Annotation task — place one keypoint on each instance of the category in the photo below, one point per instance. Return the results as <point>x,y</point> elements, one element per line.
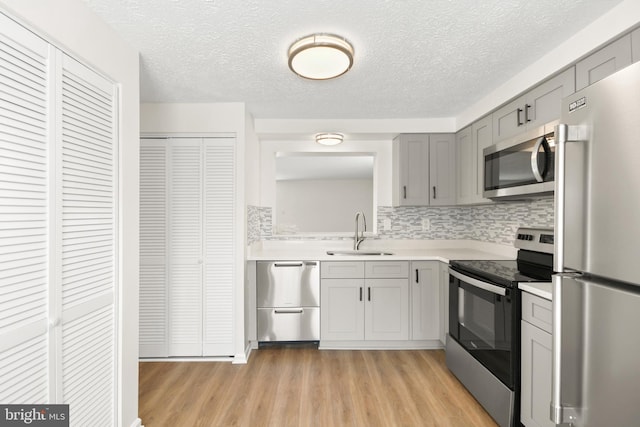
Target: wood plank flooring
<point>309,387</point>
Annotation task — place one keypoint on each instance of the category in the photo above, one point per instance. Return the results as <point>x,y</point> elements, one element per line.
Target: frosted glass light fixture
<point>321,56</point>
<point>329,138</point>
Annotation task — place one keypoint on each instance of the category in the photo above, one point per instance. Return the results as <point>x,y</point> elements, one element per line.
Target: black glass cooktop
<point>502,272</point>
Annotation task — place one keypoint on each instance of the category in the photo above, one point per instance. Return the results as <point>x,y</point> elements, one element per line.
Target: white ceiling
<point>414,58</point>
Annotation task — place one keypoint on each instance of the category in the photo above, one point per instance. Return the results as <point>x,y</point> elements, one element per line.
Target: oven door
<point>481,319</point>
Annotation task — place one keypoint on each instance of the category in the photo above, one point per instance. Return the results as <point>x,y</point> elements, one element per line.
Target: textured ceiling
<point>414,58</point>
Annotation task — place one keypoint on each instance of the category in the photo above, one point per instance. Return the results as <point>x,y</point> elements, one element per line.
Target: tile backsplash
<point>495,223</point>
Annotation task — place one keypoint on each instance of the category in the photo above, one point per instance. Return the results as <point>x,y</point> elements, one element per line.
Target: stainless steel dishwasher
<point>288,300</point>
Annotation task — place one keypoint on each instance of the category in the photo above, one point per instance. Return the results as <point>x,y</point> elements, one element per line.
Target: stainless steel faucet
<point>357,240</point>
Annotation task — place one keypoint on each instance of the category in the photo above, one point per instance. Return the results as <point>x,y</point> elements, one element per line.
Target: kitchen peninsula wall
<point>495,223</point>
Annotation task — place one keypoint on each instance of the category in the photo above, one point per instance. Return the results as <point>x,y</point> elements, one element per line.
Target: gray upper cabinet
<point>470,143</point>
<point>482,133</point>
<point>465,160</point>
<point>424,170</point>
<point>411,170</point>
<point>635,45</point>
<point>442,169</point>
<point>535,108</point>
<point>604,62</point>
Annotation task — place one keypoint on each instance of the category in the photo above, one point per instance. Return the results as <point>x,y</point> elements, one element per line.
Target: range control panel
<point>535,239</point>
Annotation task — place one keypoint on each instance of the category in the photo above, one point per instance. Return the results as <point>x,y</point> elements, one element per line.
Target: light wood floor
<point>309,387</point>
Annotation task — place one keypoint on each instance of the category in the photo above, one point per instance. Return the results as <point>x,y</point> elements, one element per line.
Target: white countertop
<point>410,250</point>
<point>540,289</point>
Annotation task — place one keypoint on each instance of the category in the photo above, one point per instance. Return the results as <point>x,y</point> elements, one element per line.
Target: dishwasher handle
<point>288,311</point>
<point>296,264</point>
<point>288,264</point>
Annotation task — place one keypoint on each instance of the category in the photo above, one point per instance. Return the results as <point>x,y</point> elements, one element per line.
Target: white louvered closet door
<point>86,242</point>
<point>153,248</point>
<point>185,247</point>
<point>24,213</point>
<point>219,255</point>
<point>187,232</point>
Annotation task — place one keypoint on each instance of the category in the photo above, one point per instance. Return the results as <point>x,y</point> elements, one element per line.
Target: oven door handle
<point>479,284</point>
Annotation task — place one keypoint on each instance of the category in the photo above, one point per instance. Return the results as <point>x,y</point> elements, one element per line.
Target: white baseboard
<point>137,423</point>
<point>242,359</point>
<point>187,359</point>
<point>381,345</point>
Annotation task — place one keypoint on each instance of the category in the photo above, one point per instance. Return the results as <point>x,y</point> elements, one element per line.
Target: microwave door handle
<point>479,284</point>
<point>542,142</point>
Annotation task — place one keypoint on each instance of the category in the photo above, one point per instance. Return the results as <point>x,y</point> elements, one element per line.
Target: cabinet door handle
<point>526,112</point>
<point>518,111</point>
<point>360,293</point>
<point>404,190</point>
<point>434,191</point>
<point>369,293</point>
<point>417,277</point>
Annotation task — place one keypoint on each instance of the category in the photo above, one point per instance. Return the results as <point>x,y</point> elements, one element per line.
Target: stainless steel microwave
<point>520,168</point>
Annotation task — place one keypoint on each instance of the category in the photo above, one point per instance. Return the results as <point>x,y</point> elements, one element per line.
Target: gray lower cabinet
<point>364,300</point>
<point>535,361</point>
<point>444,301</point>
<point>425,300</point>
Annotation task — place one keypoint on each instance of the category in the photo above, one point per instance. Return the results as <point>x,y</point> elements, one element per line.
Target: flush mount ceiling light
<point>320,56</point>
<point>329,138</point>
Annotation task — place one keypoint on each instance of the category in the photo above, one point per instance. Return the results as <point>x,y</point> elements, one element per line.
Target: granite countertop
<point>409,250</point>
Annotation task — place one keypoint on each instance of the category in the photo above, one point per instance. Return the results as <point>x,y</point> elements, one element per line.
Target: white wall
<point>186,118</point>
<point>252,162</point>
<point>381,169</point>
<point>227,119</point>
<point>70,26</point>
<point>321,206</point>
<point>379,127</point>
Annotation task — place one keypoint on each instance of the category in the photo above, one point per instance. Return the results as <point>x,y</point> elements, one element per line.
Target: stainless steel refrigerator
<point>596,293</point>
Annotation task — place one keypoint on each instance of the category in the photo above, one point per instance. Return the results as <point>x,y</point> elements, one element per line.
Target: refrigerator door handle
<point>563,399</point>
<point>561,135</point>
<point>564,134</point>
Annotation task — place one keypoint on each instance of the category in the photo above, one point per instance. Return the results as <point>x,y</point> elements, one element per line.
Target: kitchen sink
<point>359,253</point>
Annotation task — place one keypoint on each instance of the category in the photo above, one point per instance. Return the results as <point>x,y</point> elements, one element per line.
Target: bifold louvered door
<point>219,249</point>
<point>86,243</point>
<point>58,230</point>
<point>185,247</point>
<point>25,210</point>
<point>187,223</point>
<point>153,248</point>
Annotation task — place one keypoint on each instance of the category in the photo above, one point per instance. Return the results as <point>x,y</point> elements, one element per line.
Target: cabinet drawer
<point>342,270</point>
<point>537,311</point>
<point>386,269</point>
<point>289,324</point>
<point>287,284</point>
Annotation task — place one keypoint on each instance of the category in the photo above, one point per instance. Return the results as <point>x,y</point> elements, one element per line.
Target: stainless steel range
<point>483,345</point>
